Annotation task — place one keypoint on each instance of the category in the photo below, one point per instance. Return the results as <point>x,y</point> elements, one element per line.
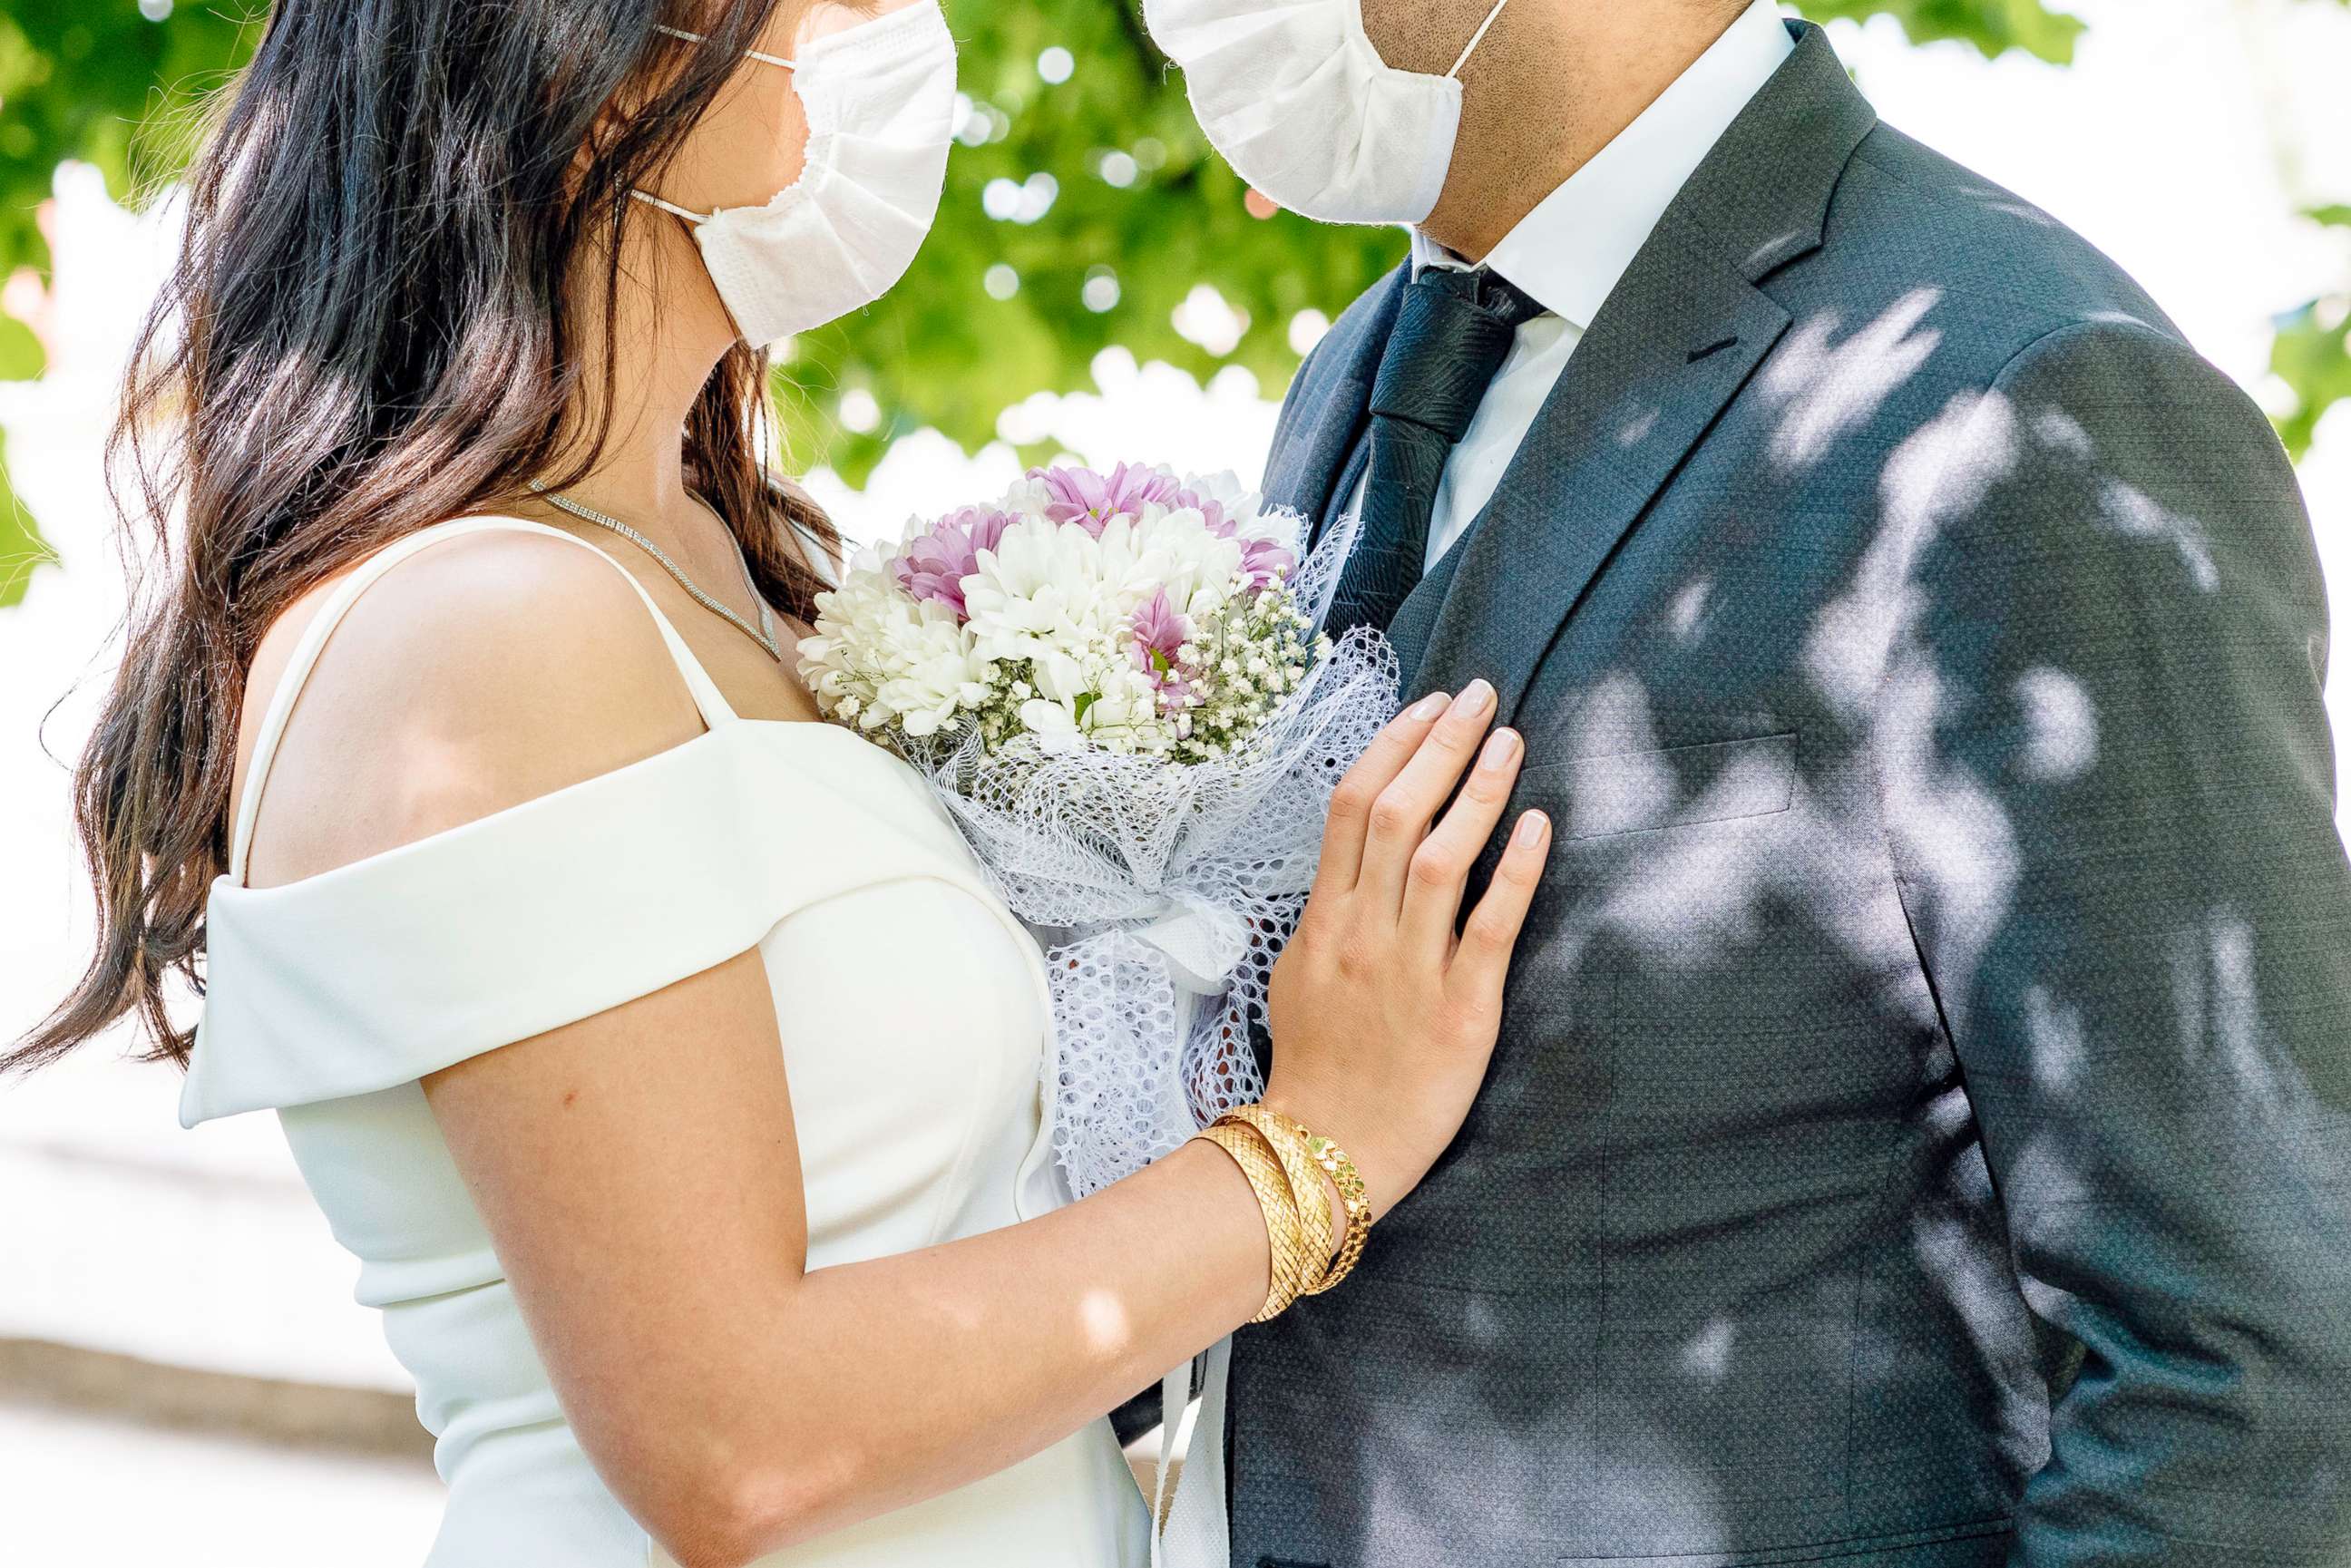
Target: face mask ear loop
<point>748,54</point>
<point>690,216</point>
<point>1477,39</point>
<point>694,217</point>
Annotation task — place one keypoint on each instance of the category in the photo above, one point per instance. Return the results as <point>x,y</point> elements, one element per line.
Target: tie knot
<point>1483,287</point>
<point>1451,335</point>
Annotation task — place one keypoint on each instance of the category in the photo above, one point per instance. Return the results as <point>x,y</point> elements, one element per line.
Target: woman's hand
<point>1384,1018</point>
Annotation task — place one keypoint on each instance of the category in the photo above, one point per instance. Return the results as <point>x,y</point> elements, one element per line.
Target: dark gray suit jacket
<point>1921,1129</point>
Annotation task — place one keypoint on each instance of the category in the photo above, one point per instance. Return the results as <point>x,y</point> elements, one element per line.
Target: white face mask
<point>879,98</point>
<point>1303,108</point>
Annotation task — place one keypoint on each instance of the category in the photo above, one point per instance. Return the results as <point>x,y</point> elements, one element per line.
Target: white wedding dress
<point>913,1017</point>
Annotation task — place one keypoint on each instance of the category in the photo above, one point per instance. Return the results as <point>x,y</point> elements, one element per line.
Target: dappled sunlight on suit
<point>1921,1130</point>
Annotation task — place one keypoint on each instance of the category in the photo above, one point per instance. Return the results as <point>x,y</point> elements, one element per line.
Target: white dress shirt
<point>1570,252</point>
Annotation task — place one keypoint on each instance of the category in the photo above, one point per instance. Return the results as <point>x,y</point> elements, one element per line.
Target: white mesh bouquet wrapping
<point>1116,684</point>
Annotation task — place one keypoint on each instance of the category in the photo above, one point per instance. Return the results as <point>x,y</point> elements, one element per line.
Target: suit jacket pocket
<point>1675,787</point>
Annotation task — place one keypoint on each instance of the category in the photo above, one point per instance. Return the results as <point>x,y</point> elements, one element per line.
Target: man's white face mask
<point>1299,101</point>
<point>879,98</point>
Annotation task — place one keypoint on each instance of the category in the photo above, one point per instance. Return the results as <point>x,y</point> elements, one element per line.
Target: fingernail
<point>1502,746</point>
<point>1474,698</point>
<point>1431,706</point>
<point>1532,829</point>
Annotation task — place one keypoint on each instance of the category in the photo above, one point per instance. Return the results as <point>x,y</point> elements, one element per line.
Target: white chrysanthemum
<point>1243,507</point>
<point>1063,602</point>
<point>1028,496</point>
<point>1043,594</point>
<point>880,658</point>
<point>1175,550</point>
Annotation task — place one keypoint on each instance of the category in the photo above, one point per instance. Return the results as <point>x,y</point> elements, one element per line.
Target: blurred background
<point>183,1376</point>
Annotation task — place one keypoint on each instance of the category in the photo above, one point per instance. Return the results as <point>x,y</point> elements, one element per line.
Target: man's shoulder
<point>2031,304</point>
<point>1999,268</point>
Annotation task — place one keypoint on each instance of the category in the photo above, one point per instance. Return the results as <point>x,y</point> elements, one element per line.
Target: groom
<point>1922,1132</point>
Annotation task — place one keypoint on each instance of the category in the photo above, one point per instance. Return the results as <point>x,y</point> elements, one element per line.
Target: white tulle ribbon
<point>1120,1088</point>
<point>1202,941</point>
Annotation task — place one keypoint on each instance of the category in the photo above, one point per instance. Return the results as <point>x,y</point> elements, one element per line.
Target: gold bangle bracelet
<point>1265,1177</point>
<point>1351,1193</point>
<point>1358,1200</point>
<point>1317,1225</point>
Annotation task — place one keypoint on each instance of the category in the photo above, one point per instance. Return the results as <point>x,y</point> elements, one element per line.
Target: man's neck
<point>1503,168</point>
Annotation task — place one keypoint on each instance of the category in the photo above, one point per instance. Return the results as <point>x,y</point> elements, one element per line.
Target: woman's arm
<point>639,1172</point>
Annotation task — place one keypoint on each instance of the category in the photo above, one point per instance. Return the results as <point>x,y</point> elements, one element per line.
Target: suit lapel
<point>1633,404</point>
<point>1312,463</point>
<point>1683,332</point>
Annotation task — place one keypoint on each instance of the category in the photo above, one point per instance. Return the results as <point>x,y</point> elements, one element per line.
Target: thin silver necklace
<point>763,634</point>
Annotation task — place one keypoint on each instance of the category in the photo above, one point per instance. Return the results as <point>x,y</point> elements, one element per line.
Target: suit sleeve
<point>2110,786</point>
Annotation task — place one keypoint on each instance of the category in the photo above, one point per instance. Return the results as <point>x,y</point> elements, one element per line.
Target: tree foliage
<point>1079,213</point>
<point>99,82</point>
<point>1083,209</point>
<point>1995,27</point>
<point>22,549</point>
<point>2313,353</point>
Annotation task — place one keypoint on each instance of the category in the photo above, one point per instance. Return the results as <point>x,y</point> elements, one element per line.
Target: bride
<point>659,1052</point>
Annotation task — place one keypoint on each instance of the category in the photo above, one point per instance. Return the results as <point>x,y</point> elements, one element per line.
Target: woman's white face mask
<point>1303,108</point>
<point>880,101</point>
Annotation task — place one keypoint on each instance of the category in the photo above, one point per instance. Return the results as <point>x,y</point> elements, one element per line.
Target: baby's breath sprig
<point>1249,659</point>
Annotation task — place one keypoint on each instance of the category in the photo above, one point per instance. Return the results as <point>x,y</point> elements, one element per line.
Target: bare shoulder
<point>483,672</point>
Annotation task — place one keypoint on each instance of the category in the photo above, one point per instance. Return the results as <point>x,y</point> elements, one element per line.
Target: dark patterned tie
<point>1451,336</point>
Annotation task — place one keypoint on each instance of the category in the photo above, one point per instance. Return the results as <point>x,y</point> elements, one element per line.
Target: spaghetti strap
<point>708,700</point>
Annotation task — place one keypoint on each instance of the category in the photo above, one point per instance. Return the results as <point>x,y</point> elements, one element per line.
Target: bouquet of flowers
<point>1116,686</point>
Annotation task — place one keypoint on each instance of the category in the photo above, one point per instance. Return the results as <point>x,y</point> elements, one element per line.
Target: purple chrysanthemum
<point>1263,561</point>
<point>1211,510</point>
<point>1159,633</point>
<point>934,564</point>
<point>1091,500</point>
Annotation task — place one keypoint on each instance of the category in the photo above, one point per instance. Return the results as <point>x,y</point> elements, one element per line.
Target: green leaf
<point>2312,356</point>
<point>21,358</point>
<point>1142,209</point>
<point>23,551</point>
<point>1993,26</point>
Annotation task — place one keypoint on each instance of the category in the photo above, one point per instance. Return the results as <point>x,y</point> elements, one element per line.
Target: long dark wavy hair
<point>364,335</point>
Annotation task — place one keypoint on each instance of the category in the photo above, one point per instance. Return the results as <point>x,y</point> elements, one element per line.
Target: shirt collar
<point>1571,252</point>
